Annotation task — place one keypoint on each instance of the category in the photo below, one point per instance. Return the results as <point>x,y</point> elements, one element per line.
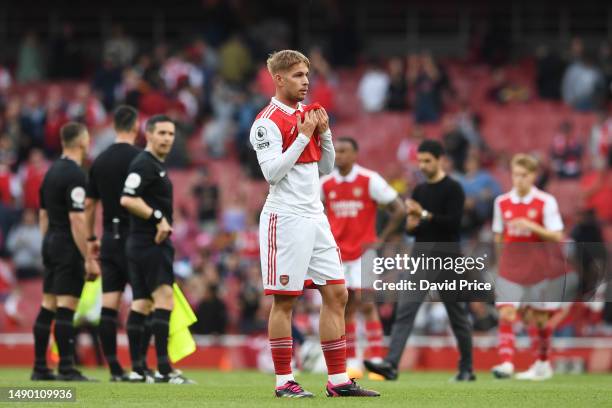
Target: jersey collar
<point>516,199</point>
<point>287,109</point>
<point>349,178</point>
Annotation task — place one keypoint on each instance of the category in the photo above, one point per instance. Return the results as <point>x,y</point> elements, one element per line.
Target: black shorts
<point>64,266</point>
<point>150,265</point>
<point>114,264</point>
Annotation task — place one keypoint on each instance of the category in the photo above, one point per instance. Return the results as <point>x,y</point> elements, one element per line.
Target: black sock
<point>108,336</point>
<point>42,331</point>
<point>161,329</point>
<point>135,327</point>
<point>147,334</point>
<point>64,336</point>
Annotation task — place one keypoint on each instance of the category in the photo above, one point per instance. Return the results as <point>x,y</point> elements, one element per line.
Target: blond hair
<point>525,161</point>
<point>280,61</point>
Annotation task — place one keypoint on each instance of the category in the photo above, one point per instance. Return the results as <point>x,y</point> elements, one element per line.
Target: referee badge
<point>78,196</point>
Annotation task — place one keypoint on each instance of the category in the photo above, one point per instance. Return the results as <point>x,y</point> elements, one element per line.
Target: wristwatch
<point>156,217</point>
<point>424,214</point>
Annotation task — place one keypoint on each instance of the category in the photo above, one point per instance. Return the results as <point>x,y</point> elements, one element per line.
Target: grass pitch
<point>253,389</point>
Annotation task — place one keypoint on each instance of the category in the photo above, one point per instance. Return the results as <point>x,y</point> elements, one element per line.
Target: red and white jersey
<point>525,258</point>
<point>350,202</point>
<point>272,133</point>
<point>536,206</point>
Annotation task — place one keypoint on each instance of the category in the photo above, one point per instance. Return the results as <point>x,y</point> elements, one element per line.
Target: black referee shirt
<point>63,191</point>
<point>148,179</point>
<point>106,179</point>
<point>445,200</point>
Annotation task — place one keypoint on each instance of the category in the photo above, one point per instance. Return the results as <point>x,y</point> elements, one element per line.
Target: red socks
<point>505,348</point>
<point>374,333</point>
<point>351,334</point>
<point>540,341</point>
<point>281,354</point>
<point>335,355</point>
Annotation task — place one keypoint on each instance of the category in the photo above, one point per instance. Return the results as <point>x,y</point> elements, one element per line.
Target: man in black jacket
<point>434,216</point>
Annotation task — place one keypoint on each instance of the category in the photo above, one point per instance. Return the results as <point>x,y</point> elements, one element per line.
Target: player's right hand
<point>93,249</point>
<point>92,270</point>
<point>163,231</point>
<point>308,125</point>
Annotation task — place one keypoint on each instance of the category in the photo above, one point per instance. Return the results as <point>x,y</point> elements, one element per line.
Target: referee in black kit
<point>106,178</point>
<point>62,223</point>
<point>434,216</point>
<point>147,195</point>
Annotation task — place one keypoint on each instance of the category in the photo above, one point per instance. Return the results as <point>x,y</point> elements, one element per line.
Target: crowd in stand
<point>213,90</point>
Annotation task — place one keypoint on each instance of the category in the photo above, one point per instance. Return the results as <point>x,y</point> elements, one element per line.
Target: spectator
<point>211,312</point>
<point>30,59</point>
<point>583,85</point>
<point>5,79</point>
<point>504,91</point>
<point>106,80</point>
<point>408,148</point>
<point>86,108</point>
<point>480,189</point>
<point>24,243</point>
<point>373,86</point>
<point>55,118</point>
<point>605,63</point>
<point>425,77</point>
<point>455,143</point>
<point>250,301</point>
<point>596,188</point>
<point>235,60</point>
<point>566,153</point>
<point>10,190</point>
<point>206,194</point>
<point>65,59</point>
<point>549,73</point>
<point>397,93</point>
<point>119,48</point>
<point>32,119</point>
<point>8,155</point>
<point>600,141</point>
<point>31,175</point>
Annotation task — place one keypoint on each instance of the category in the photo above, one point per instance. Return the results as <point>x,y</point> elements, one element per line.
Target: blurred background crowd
<point>498,94</point>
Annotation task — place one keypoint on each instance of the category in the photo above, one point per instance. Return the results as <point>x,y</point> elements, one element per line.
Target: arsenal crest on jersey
<point>284,280</point>
<point>357,191</point>
<point>532,213</point>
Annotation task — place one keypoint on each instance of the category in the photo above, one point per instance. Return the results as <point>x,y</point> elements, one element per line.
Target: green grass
<point>253,389</point>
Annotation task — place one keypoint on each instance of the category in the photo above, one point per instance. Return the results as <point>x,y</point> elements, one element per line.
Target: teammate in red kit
<point>351,195</point>
<point>524,219</point>
<point>294,145</point>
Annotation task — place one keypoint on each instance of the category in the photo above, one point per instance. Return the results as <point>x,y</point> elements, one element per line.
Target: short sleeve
<point>266,139</point>
<point>552,216</point>
<point>380,190</point>
<point>75,193</point>
<point>498,223</point>
<point>92,187</point>
<point>140,175</point>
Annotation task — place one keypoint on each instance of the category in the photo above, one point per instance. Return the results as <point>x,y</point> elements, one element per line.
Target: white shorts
<point>295,250</point>
<point>353,272</point>
<point>563,286</point>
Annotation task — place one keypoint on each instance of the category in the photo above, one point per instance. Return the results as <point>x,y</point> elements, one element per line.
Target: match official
<point>147,195</point>
<point>434,216</point>
<point>62,223</point>
<point>106,178</point>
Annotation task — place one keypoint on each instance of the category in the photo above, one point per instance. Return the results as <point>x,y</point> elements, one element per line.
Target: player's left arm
<point>328,154</point>
<point>91,205</point>
<point>43,221</point>
<point>383,193</point>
